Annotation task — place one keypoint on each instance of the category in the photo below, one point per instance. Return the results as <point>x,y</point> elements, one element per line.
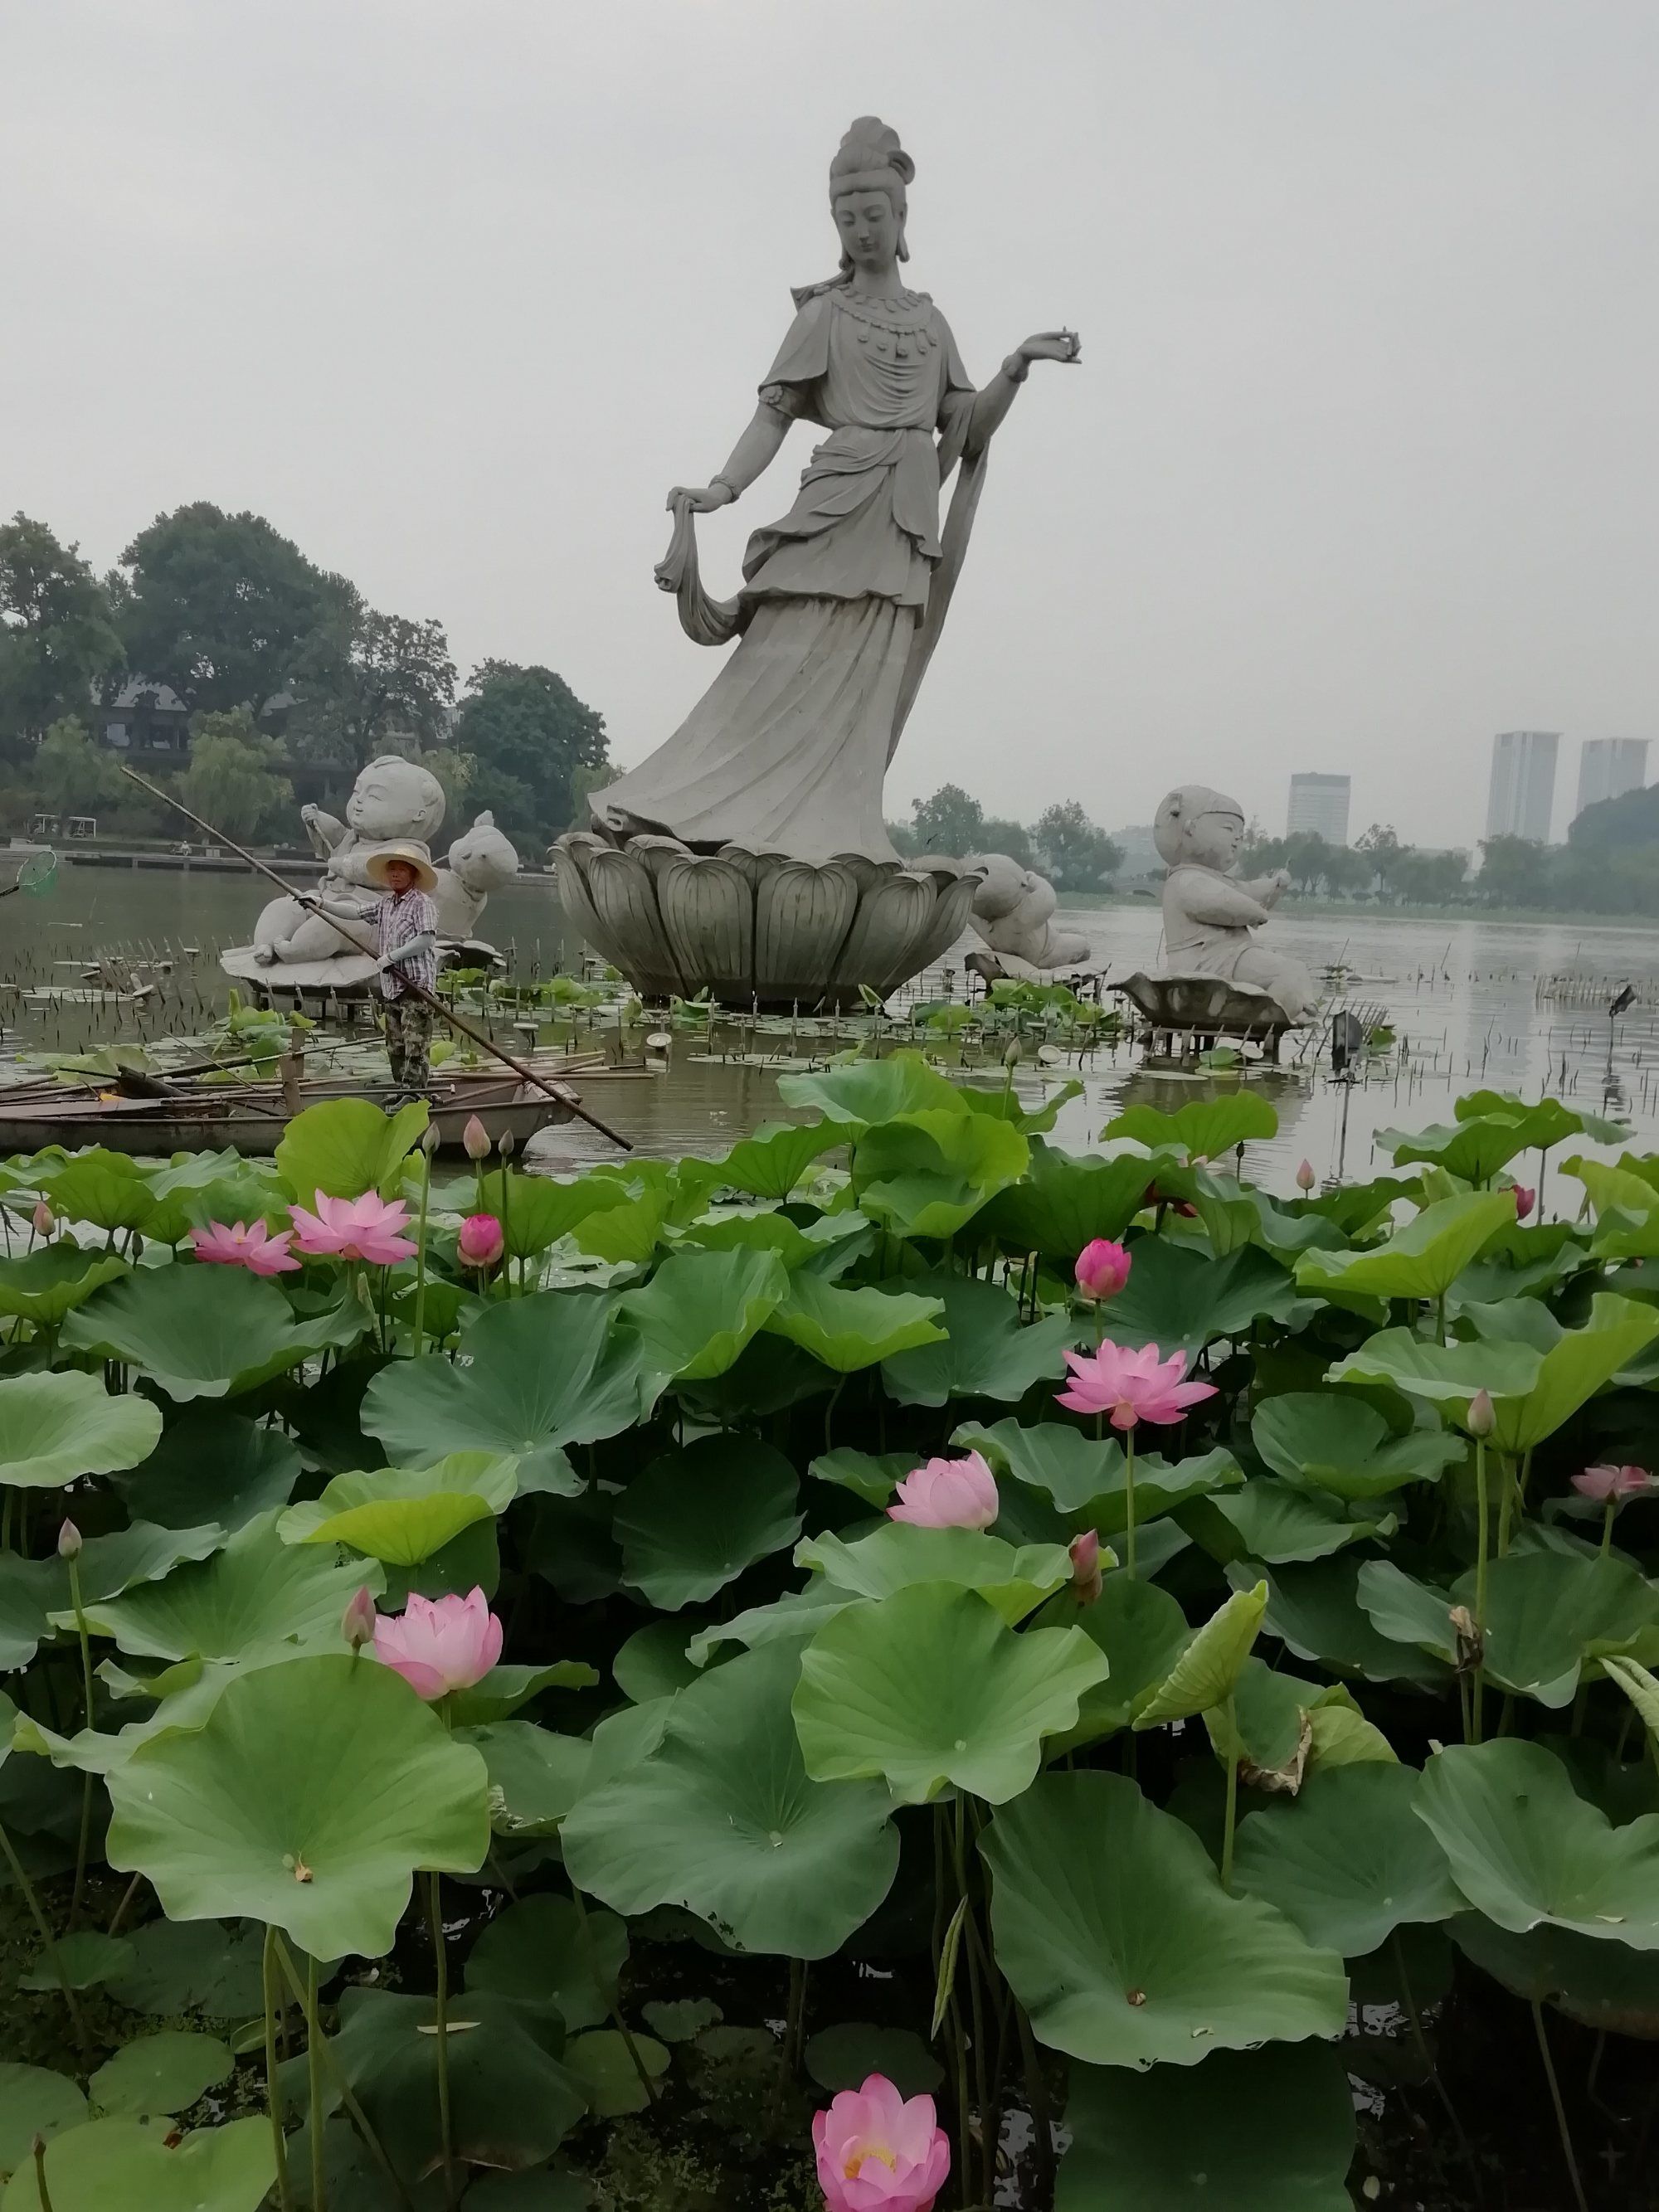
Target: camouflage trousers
<point>409,1043</point>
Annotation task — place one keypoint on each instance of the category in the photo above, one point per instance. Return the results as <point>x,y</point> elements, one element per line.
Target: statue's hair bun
<point>870,146</point>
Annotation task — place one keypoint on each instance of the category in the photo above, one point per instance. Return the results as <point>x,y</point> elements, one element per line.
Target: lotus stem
<point>314,2077</point>
<point>1607,1528</point>
<point>273,2094</point>
<point>441,2020</point>
<point>42,2191</point>
<point>975,1994</point>
<point>48,1940</point>
<point>1408,2005</point>
<point>1129,1502</point>
<point>348,2097</point>
<point>1480,1540</point>
<point>613,2007</point>
<point>1578,2197</point>
<point>122,1909</point>
<point>1036,2096</point>
<point>506,1262</point>
<point>1232,1794</point>
<point>85,1837</point>
<point>794,2034</point>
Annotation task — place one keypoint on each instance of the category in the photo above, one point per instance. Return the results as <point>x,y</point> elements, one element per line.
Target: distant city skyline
<point>1320,803</point>
<point>1608,767</point>
<point>1520,795</point>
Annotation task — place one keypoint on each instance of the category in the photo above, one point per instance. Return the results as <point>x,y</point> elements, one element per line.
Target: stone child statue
<point>1014,911</point>
<point>1209,915</point>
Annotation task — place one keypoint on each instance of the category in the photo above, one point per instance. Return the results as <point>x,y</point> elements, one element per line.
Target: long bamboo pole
<point>555,1091</point>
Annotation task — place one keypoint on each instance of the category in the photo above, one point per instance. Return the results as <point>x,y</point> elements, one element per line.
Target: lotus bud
<point>1086,1567</point>
<point>1306,1179</point>
<point>475,1138</point>
<point>358,1626</point>
<point>68,1541</point>
<point>480,1243</point>
<point>1010,1058</point>
<point>1482,1419</point>
<point>44,1219</point>
<point>430,1139</point>
<point>1525,1200</point>
<point>1101,1269</point>
<point>507,1145</point>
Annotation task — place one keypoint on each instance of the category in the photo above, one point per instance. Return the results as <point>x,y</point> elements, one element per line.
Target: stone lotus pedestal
<point>757,928</point>
<point>1198,1005</point>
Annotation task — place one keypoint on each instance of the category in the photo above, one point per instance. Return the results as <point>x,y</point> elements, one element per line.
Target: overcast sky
<point>1359,468</point>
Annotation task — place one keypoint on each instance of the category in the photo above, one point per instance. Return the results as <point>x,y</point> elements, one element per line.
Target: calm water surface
<point>1518,1006</point>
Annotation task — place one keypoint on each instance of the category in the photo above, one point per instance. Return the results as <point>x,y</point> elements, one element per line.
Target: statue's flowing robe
<point>789,746</point>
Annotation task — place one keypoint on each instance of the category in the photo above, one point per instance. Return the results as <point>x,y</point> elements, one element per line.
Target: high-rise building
<point>1319,802</point>
<point>1521,796</point>
<point>1609,767</point>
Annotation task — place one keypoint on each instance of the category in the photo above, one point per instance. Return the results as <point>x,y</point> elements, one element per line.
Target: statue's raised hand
<point>701,499</point>
<point>1051,345</point>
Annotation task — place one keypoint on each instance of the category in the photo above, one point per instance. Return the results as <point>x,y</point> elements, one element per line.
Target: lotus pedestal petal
<point>758,928</point>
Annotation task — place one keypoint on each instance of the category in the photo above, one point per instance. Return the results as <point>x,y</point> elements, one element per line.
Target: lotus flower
<point>358,1622</point>
<point>1525,1200</point>
<point>441,1647</point>
<point>1612,1486</point>
<point>1085,1566</point>
<point>68,1541</point>
<point>948,1493</point>
<point>364,1228</point>
<point>1132,1386</point>
<point>1102,1269</point>
<point>1305,1178</point>
<point>475,1140</point>
<point>1482,1416</point>
<point>480,1243</point>
<point>44,1217</point>
<point>245,1245</point>
<point>877,2153</point>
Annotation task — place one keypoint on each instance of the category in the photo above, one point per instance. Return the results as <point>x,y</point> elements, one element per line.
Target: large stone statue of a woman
<point>843,598</point>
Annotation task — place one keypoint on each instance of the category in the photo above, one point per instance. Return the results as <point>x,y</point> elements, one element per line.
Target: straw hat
<point>426,876</point>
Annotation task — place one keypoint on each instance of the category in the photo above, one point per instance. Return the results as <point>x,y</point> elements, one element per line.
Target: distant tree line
<point>1062,844</point>
<point>285,672</point>
<point>1609,865</point>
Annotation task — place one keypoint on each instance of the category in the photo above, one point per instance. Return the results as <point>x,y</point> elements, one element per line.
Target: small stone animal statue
<point>1014,911</point>
<point>1209,915</point>
<point>480,862</point>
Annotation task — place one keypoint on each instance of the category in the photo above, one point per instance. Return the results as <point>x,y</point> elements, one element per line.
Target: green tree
<point>949,823</point>
<point>368,683</point>
<point>71,774</point>
<point>1513,871</point>
<point>529,736</point>
<point>1632,819</point>
<point>1072,852</point>
<point>1383,848</point>
<point>998,834</point>
<point>1430,878</point>
<point>57,637</point>
<point>220,606</point>
<point>232,780</point>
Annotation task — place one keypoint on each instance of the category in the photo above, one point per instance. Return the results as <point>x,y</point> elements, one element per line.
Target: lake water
<point>1520,1006</point>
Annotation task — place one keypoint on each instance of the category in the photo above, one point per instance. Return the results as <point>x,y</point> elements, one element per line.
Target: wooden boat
<point>252,1116</point>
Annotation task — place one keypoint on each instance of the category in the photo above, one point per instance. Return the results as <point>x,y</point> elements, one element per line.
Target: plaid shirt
<point>397,920</point>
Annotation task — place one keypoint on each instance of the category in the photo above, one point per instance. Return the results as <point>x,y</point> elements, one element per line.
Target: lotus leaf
<point>1276,1522</point>
<point>863,1093</point>
<point>843,2057</point>
<point>257,1593</point>
<point>1526,1849</point>
<point>1275,2127</point>
<point>308,1799</point>
<point>1547,1123</point>
<point>55,1428</point>
<point>1626,1206</point>
<point>1012,1579</point>
<point>160,2075</point>
<point>123,2162</point>
<point>1604,1986</point>
<point>796,1615</point>
<point>722,1817</point>
<point>82,1960</point>
<point>33,2101</point>
<point>1142,1632</point>
<point>928,1174</point>
<point>608,2069</point>
<point>1472,1148</point>
<point>986,1351</point>
<point>540,1209</point>
<point>872,1476</point>
<point>544,1949</point>
<point>681,2019</point>
<point>346,1147</point>
<point>771,1162</point>
<point>1116,1934</point>
<point>534,1775</point>
<point>652,1662</point>
<point>404,1515</point>
<point>1421,1260</point>
<point>1206,1673</point>
<point>193,1966</point>
<point>505,1689</point>
<point>542,1372</point>
<point>1347,1859</point>
<point>930,1688</point>
<point>1088,1475</point>
<point>1205,1130</point>
<point>1063,1202</point>
<point>700,1309</point>
<point>1325,1441</point>
<point>52,1282</point>
<point>213,1464</point>
<point>1315,1611</point>
<point>197,1332</point>
<point>695,1519</point>
<point>850,1329</point>
<point>1180,1299</point>
<point>106,1190</point>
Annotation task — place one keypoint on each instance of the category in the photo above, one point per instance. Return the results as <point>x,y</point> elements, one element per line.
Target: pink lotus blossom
<point>1305,1178</point>
<point>1525,1200</point>
<point>1102,1269</point>
<point>1131,1386</point>
<point>480,1243</point>
<point>1085,1566</point>
<point>877,2153</point>
<point>440,1647</point>
<point>1611,1485</point>
<point>364,1228</point>
<point>44,1217</point>
<point>475,1140</point>
<point>1482,1416</point>
<point>245,1244</point>
<point>948,1493</point>
<point>357,1626</point>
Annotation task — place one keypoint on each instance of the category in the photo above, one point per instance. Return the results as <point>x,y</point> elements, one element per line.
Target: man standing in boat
<point>406,923</point>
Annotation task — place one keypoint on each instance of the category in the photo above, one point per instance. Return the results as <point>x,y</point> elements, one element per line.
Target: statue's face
<point>1219,838</point>
<point>868,225</point>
